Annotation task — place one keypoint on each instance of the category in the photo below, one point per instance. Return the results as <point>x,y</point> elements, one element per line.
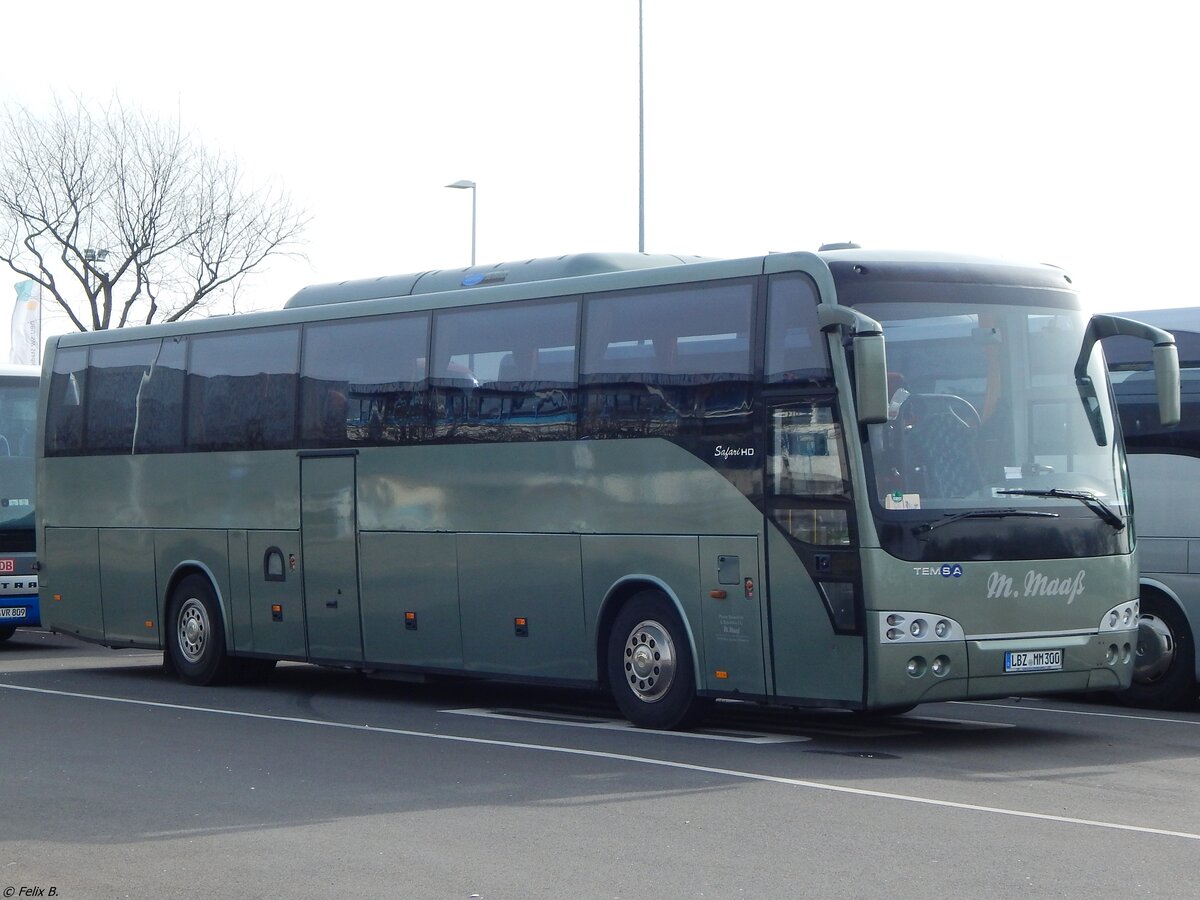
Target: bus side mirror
<point>870,360</point>
<point>1166,358</point>
<point>1166,382</point>
<point>870,378</point>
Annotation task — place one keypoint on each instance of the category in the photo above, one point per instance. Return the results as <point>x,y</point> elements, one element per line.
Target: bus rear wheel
<point>650,668</point>
<point>196,635</point>
<point>1164,668</point>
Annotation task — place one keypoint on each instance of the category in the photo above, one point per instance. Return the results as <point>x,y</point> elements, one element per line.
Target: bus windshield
<point>987,417</point>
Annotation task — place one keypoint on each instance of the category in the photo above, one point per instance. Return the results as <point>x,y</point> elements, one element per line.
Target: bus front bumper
<point>912,673</point>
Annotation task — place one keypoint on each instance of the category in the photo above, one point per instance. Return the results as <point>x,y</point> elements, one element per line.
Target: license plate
<point>12,612</point>
<point>1032,660</point>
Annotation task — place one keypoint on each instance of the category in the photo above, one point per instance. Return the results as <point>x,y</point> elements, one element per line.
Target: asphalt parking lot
<point>122,782</point>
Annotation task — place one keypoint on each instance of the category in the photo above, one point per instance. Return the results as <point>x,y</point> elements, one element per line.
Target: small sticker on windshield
<point>1012,472</point>
<point>901,500</point>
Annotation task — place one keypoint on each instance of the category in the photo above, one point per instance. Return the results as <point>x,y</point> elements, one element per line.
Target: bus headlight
<point>910,627</point>
<point>1120,618</point>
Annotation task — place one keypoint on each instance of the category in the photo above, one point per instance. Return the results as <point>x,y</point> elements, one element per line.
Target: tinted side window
<point>241,390</point>
<point>135,398</point>
<point>115,374</point>
<point>796,350</point>
<point>668,361</point>
<point>505,373</point>
<point>363,382</point>
<point>160,400</point>
<point>64,409</point>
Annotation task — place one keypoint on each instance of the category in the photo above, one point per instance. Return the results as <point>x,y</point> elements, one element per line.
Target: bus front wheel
<point>196,636</point>
<point>650,668</point>
<point>1164,668</point>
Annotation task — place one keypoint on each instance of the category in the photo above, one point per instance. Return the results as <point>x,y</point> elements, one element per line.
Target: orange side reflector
<point>721,674</point>
<point>276,608</point>
<point>149,624</point>
<point>520,620</point>
<point>58,597</point>
<point>717,595</point>
<point>410,616</point>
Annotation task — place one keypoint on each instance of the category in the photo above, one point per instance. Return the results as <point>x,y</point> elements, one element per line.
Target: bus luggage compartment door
<point>328,524</point>
<point>733,646</point>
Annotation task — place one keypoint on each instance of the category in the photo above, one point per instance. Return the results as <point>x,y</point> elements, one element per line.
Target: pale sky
<point>1044,131</point>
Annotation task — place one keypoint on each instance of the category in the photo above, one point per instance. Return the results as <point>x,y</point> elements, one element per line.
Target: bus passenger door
<point>328,525</point>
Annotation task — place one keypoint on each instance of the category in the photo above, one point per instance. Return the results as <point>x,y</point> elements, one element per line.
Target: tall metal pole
<point>641,141</point>
<point>463,185</point>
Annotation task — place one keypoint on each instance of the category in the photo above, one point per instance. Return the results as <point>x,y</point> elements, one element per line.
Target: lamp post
<point>468,185</point>
<point>641,141</point>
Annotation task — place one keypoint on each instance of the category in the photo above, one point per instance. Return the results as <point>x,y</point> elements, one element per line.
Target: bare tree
<point>126,219</point>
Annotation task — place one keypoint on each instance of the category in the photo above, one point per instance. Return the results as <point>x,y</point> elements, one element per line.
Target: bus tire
<point>1164,667</point>
<point>7,631</point>
<point>196,634</point>
<point>650,668</point>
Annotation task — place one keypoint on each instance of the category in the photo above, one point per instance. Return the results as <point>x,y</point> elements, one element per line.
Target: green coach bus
<point>839,479</point>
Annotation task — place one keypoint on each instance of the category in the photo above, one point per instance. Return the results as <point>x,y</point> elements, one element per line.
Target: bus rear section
<point>18,420</point>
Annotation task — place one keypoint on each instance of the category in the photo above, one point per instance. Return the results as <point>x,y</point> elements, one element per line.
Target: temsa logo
<point>946,570</point>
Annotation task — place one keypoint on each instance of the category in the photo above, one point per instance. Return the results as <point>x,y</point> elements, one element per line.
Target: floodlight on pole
<point>464,185</point>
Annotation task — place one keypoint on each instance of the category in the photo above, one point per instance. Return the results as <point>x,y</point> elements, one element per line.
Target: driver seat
<point>950,454</point>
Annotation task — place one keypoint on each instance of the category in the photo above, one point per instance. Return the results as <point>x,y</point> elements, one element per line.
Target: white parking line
<point>624,757</point>
<point>600,724</point>
<point>1076,712</point>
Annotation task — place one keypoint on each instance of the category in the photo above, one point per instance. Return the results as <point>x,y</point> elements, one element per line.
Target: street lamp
<point>468,185</point>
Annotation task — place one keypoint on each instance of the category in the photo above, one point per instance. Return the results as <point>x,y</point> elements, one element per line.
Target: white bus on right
<point>1164,469</point>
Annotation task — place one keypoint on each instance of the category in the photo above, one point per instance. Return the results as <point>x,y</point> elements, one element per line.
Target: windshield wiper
<point>1091,501</point>
<point>982,514</point>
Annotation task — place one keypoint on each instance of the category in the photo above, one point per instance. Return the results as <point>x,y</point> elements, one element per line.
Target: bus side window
<point>494,388</point>
<point>668,361</point>
<point>797,352</point>
<point>363,381</point>
<point>241,389</point>
<point>64,413</point>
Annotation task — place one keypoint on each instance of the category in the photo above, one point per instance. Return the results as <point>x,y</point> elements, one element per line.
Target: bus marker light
<point>149,624</point>
<point>521,626</point>
<point>720,673</point>
<point>57,597</point>
<point>717,595</point>
<point>916,666</point>
<point>410,621</point>
<point>894,634</point>
<point>276,612</point>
